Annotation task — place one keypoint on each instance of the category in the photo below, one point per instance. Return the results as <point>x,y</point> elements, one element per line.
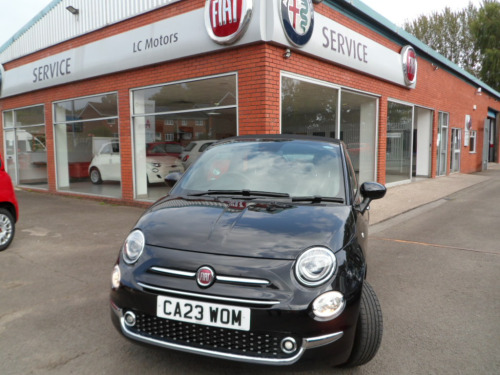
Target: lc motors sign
<point>227,20</point>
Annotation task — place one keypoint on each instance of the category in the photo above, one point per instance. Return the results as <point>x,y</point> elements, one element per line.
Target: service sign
<point>297,17</point>
<point>226,20</point>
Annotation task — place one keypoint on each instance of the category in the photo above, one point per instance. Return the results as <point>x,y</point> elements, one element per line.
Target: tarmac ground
<point>434,259</point>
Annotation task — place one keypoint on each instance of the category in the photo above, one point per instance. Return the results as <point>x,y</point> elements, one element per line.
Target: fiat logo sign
<point>409,60</point>
<point>205,276</point>
<point>227,20</point>
<point>297,17</point>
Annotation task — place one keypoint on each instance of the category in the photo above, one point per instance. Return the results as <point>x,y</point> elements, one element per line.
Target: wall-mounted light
<point>435,67</point>
<point>474,107</point>
<point>287,53</point>
<point>72,10</point>
<point>479,90</point>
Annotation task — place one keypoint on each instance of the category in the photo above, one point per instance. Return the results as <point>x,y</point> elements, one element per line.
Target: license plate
<point>209,314</point>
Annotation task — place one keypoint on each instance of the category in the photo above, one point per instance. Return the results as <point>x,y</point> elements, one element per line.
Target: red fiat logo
<point>205,277</point>
<point>409,60</point>
<point>226,20</point>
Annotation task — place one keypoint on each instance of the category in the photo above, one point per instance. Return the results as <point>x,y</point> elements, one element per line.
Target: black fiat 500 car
<point>257,254</point>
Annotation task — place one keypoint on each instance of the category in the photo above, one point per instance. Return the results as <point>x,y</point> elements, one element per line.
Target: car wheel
<point>7,228</point>
<point>368,330</point>
<point>95,176</point>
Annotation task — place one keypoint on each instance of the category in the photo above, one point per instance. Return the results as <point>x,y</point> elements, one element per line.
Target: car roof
<point>279,137</point>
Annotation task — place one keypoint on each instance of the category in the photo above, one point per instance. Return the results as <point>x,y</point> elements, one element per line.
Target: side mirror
<point>371,191</point>
<point>172,178</point>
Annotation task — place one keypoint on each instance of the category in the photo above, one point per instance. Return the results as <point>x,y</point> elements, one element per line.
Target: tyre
<point>368,330</point>
<point>95,176</point>
<point>7,228</point>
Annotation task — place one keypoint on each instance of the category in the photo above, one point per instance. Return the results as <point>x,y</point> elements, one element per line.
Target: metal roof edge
<point>26,27</point>
<point>360,12</point>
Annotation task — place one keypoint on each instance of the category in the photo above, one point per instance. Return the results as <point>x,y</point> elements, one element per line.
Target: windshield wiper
<point>318,199</point>
<point>243,193</point>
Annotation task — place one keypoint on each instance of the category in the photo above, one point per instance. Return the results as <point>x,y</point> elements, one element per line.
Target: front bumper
<point>281,310</point>
<point>221,343</point>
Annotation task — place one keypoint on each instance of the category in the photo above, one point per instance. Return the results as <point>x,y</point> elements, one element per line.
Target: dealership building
<point>97,84</point>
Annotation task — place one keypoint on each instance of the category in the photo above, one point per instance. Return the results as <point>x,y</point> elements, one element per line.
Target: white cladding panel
<point>59,25</point>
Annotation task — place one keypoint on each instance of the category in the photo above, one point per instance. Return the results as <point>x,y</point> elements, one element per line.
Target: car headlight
<point>133,246</point>
<point>116,277</point>
<point>156,165</point>
<point>315,266</point>
<point>328,306</point>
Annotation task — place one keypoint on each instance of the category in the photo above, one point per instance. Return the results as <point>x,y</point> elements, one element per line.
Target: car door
<point>361,219</point>
<point>108,162</point>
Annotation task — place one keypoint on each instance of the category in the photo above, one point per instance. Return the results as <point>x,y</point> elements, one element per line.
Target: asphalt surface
<point>434,269</point>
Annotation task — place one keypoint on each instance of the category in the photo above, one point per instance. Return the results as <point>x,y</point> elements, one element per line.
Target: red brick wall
<point>258,67</point>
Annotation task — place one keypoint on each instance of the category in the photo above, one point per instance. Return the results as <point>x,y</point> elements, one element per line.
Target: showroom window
<point>310,107</point>
<point>189,114</point>
<point>25,146</point>
<point>87,145</point>
<point>399,142</point>
<point>358,130</point>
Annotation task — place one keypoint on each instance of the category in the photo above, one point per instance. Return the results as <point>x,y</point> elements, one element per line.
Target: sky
<point>15,14</point>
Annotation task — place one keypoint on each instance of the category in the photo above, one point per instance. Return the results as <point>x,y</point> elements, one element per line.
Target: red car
<point>9,210</point>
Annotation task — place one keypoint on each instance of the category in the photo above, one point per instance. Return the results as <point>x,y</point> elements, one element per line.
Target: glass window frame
<point>341,89</point>
<point>109,119</point>
<point>443,126</point>
<point>105,118</point>
<point>14,129</point>
<point>412,106</point>
<point>473,142</point>
<point>134,115</point>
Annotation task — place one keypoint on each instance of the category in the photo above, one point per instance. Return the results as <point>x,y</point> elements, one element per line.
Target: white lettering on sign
<point>53,70</point>
<point>344,45</point>
<point>224,11</point>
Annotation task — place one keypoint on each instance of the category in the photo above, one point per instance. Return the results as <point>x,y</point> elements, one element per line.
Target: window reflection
<point>357,130</point>
<point>308,108</point>
<point>173,123</point>
<point>399,137</point>
<point>85,128</point>
<point>25,146</point>
<point>94,107</point>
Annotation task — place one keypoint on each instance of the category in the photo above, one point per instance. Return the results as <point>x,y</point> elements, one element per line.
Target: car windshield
<point>294,168</point>
<point>190,146</point>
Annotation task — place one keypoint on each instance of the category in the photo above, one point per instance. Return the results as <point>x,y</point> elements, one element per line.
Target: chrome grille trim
<point>224,279</point>
<point>242,280</point>
<point>170,271</point>
<point>212,297</point>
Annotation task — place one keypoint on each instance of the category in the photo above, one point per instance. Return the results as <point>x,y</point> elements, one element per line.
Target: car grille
<point>258,344</point>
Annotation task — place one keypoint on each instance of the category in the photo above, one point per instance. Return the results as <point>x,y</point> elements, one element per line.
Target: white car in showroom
<point>193,150</point>
<point>106,165</point>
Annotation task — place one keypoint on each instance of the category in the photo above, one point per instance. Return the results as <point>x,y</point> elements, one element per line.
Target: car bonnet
<point>275,230</point>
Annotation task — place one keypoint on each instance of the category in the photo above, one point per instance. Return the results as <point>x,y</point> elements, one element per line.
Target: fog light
<point>155,170</point>
<point>288,345</point>
<point>129,318</point>
<point>116,277</point>
<point>328,305</point>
